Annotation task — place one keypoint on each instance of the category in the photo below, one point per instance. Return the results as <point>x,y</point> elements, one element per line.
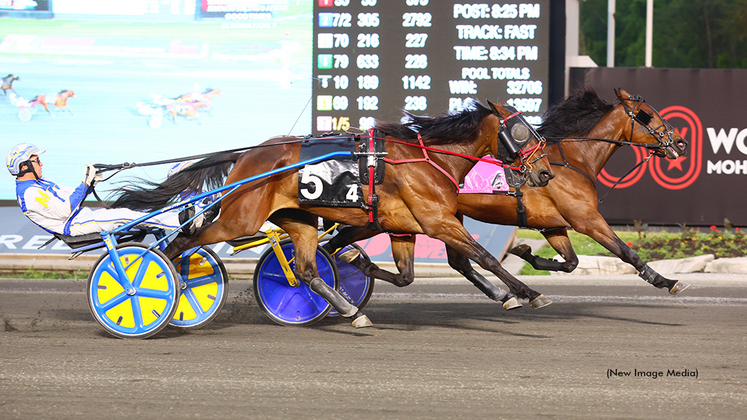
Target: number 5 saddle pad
<point>332,182</point>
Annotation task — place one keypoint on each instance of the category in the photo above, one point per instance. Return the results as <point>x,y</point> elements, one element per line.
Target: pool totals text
<point>375,58</point>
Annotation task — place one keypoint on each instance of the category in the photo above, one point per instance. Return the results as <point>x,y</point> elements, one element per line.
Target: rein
<point>129,165</point>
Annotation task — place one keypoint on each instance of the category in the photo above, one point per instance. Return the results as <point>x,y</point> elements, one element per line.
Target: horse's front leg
<point>453,234</point>
<point>461,264</point>
<point>598,229</point>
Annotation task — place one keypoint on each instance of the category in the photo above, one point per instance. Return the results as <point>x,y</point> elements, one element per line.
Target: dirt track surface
<point>438,350</point>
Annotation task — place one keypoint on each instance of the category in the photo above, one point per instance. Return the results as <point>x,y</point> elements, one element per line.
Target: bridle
<point>637,115</point>
<point>663,138</point>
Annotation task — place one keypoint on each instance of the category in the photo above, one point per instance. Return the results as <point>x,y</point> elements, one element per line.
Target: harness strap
<point>373,198</point>
<point>427,158</point>
<point>565,164</point>
<point>521,210</point>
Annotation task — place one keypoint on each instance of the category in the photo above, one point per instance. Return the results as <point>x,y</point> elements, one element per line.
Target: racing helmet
<point>20,154</point>
<point>178,168</point>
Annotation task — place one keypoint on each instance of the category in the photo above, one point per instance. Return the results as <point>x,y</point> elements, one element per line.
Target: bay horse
<point>426,158</point>
<point>204,99</point>
<point>583,132</point>
<point>186,109</point>
<point>8,83</point>
<point>58,99</point>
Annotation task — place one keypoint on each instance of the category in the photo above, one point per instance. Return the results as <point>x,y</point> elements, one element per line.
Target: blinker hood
<point>515,133</point>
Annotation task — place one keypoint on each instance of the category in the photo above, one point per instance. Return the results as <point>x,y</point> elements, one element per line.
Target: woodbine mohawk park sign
<point>706,107</point>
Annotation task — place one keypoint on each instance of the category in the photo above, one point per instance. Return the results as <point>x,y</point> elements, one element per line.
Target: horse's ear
<point>495,108</point>
<point>622,94</point>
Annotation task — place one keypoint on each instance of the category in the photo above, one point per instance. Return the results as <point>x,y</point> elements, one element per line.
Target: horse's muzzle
<point>540,178</point>
<point>680,147</point>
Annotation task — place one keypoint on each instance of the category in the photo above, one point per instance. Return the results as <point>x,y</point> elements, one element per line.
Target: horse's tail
<point>204,175</point>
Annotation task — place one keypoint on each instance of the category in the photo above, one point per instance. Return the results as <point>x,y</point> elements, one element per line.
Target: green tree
<point>687,33</point>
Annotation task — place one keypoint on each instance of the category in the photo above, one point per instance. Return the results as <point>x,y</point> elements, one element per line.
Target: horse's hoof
<point>350,255</point>
<point>522,251</point>
<point>540,302</point>
<point>678,287</point>
<point>362,321</point>
<point>511,304</point>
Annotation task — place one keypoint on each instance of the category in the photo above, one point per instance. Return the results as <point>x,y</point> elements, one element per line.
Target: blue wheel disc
<point>283,303</point>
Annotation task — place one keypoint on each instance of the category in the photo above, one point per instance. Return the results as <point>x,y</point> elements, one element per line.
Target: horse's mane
<point>574,116</point>
<point>443,129</point>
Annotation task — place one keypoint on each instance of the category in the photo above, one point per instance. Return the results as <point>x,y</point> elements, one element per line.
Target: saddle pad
<point>485,178</point>
<point>332,182</point>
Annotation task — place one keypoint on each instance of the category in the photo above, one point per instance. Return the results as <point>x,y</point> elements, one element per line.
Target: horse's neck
<point>478,147</point>
<point>592,155</point>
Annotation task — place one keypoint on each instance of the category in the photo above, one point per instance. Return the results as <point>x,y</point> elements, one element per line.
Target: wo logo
<point>671,174</point>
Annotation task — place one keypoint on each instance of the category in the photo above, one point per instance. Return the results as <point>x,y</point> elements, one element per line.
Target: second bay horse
<point>203,100</point>
<point>424,157</point>
<point>583,132</point>
<point>8,83</point>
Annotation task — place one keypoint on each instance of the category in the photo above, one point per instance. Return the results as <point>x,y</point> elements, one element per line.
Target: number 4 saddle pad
<point>485,178</point>
<point>332,182</point>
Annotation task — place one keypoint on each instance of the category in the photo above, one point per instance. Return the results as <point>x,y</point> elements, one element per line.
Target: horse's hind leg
<point>558,239</point>
<point>403,247</point>
<point>46,108</point>
<point>302,229</point>
<point>213,233</point>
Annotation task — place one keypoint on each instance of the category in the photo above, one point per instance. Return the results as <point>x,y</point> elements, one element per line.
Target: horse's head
<point>649,129</point>
<point>517,143</point>
<point>66,93</point>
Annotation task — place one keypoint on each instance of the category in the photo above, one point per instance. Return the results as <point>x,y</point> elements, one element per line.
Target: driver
<point>57,208</point>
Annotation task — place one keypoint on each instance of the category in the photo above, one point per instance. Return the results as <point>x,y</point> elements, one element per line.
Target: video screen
<point>142,81</point>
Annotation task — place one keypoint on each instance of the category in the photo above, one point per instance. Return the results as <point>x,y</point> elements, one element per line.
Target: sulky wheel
<point>25,114</point>
<point>155,121</point>
<point>283,303</point>
<point>148,307</point>
<point>355,286</point>
<point>204,285</point>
